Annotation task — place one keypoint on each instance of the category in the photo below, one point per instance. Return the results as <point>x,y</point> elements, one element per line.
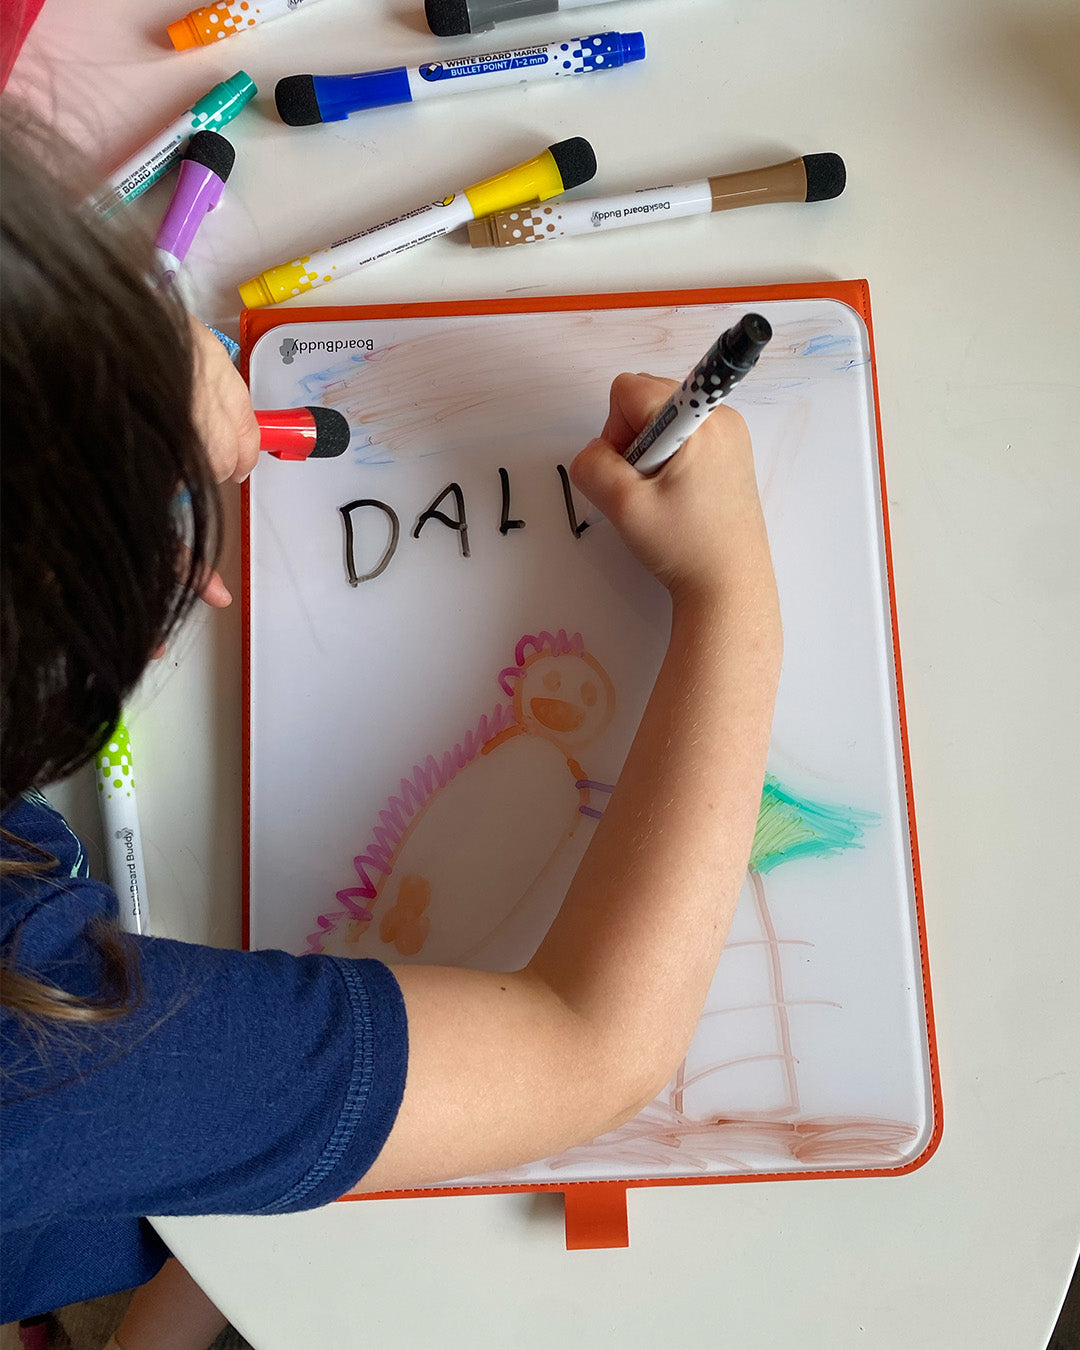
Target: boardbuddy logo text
<point>291,348</point>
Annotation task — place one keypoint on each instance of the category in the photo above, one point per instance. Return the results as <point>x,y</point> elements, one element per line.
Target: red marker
<point>303,433</point>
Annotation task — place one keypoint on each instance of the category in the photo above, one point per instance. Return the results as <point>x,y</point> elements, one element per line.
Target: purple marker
<point>206,165</point>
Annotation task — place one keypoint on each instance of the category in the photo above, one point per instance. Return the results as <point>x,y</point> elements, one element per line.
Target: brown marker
<point>811,178</point>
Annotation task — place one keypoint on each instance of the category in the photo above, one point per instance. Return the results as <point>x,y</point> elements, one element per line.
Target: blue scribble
<point>827,342</point>
<point>316,382</point>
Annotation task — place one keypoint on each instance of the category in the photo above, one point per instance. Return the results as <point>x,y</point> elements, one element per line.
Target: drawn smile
<point>556,714</point>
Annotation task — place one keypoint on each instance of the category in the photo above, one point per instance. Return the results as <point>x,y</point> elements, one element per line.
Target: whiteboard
<point>403,803</point>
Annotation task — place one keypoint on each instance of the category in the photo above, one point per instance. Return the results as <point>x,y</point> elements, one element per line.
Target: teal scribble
<point>789,827</point>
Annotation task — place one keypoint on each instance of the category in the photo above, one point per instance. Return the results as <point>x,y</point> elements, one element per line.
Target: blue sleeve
<point>243,1082</point>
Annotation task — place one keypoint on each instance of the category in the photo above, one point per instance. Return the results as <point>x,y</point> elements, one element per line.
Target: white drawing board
<point>430,748</point>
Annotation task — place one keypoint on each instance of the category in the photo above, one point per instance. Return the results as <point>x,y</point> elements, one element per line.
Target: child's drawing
<point>463,844</point>
<point>460,849</point>
<point>811,1052</point>
<point>757,1076</point>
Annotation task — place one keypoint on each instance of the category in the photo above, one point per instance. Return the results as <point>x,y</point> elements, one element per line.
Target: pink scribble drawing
<point>463,844</point>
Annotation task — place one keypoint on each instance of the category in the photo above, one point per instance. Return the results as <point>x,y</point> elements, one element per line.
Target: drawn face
<point>565,699</point>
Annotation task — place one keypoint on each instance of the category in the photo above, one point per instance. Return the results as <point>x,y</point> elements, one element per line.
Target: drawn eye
<point>552,682</point>
<point>589,694</point>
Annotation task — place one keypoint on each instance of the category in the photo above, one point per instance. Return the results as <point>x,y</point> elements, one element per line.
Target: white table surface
<point>959,121</point>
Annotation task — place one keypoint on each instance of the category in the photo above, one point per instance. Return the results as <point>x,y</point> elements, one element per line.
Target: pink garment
<point>16,19</point>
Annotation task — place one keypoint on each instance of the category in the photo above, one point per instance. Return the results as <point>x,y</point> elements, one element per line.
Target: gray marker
<point>451,18</point>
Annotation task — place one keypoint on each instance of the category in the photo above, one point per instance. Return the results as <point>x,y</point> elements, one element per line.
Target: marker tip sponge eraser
<point>826,177</point>
<point>213,152</point>
<point>296,102</point>
<point>447,18</point>
<point>331,433</point>
<point>575,161</point>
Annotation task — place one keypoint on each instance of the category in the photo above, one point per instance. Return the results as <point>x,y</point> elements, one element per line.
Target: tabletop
<point>960,126</point>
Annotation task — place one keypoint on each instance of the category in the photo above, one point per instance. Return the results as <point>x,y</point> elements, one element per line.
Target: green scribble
<point>789,828</point>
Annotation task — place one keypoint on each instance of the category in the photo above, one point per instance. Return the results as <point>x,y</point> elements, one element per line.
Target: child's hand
<point>223,414</point>
<point>227,428</point>
<point>697,523</point>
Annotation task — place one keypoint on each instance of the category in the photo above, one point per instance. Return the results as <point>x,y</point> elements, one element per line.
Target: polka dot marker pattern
<point>203,27</point>
<point>732,356</point>
<point>114,772</point>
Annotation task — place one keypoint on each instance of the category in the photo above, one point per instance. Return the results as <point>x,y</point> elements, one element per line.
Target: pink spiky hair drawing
<point>426,779</point>
<point>542,644</point>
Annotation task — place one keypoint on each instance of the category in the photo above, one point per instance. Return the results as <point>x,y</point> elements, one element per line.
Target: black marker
<point>731,357</point>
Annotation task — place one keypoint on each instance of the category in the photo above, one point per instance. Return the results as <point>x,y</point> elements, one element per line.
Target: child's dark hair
<point>109,512</point>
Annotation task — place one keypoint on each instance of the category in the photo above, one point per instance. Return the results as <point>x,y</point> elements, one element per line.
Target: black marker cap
<point>212,151</point>
<point>296,102</point>
<point>826,177</point>
<point>743,343</point>
<point>447,18</point>
<point>331,433</point>
<point>575,160</point>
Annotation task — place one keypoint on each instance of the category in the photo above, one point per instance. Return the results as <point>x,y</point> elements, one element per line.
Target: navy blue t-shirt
<point>242,1083</point>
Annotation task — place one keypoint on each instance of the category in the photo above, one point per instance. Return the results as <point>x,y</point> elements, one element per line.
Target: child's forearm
<point>504,1068</point>
<point>635,946</point>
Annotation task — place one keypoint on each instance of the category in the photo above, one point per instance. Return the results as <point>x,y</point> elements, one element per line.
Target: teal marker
<point>213,111</point>
<point>114,773</point>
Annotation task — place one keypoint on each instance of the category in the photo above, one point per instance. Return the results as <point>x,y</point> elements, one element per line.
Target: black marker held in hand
<point>732,356</point>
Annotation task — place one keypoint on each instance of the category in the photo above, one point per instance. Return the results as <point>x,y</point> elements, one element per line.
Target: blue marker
<point>305,99</point>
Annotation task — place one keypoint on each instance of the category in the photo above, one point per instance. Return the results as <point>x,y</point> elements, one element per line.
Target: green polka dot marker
<point>115,773</point>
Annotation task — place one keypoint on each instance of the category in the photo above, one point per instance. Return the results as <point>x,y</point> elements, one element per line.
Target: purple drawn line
<point>594,786</point>
<point>591,811</point>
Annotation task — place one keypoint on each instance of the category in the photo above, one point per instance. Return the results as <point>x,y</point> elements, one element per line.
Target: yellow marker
<point>559,168</point>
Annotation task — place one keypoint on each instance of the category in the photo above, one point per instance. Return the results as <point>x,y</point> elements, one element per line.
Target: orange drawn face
<point>566,699</point>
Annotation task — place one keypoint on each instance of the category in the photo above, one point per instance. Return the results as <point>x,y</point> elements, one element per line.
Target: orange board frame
<point>596,1213</point>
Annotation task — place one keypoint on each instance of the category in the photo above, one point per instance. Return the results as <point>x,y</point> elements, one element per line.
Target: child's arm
<point>509,1068</point>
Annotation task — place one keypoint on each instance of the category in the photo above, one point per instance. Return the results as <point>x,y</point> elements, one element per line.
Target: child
<point>146,1076</point>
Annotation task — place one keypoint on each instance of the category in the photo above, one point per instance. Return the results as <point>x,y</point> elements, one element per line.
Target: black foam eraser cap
<point>447,18</point>
<point>296,102</point>
<point>826,177</point>
<point>213,152</point>
<point>331,433</point>
<point>575,160</point>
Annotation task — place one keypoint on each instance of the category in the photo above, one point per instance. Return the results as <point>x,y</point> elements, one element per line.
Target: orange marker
<point>203,27</point>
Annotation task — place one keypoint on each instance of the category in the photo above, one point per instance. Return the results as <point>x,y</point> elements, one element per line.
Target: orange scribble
<point>406,925</point>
